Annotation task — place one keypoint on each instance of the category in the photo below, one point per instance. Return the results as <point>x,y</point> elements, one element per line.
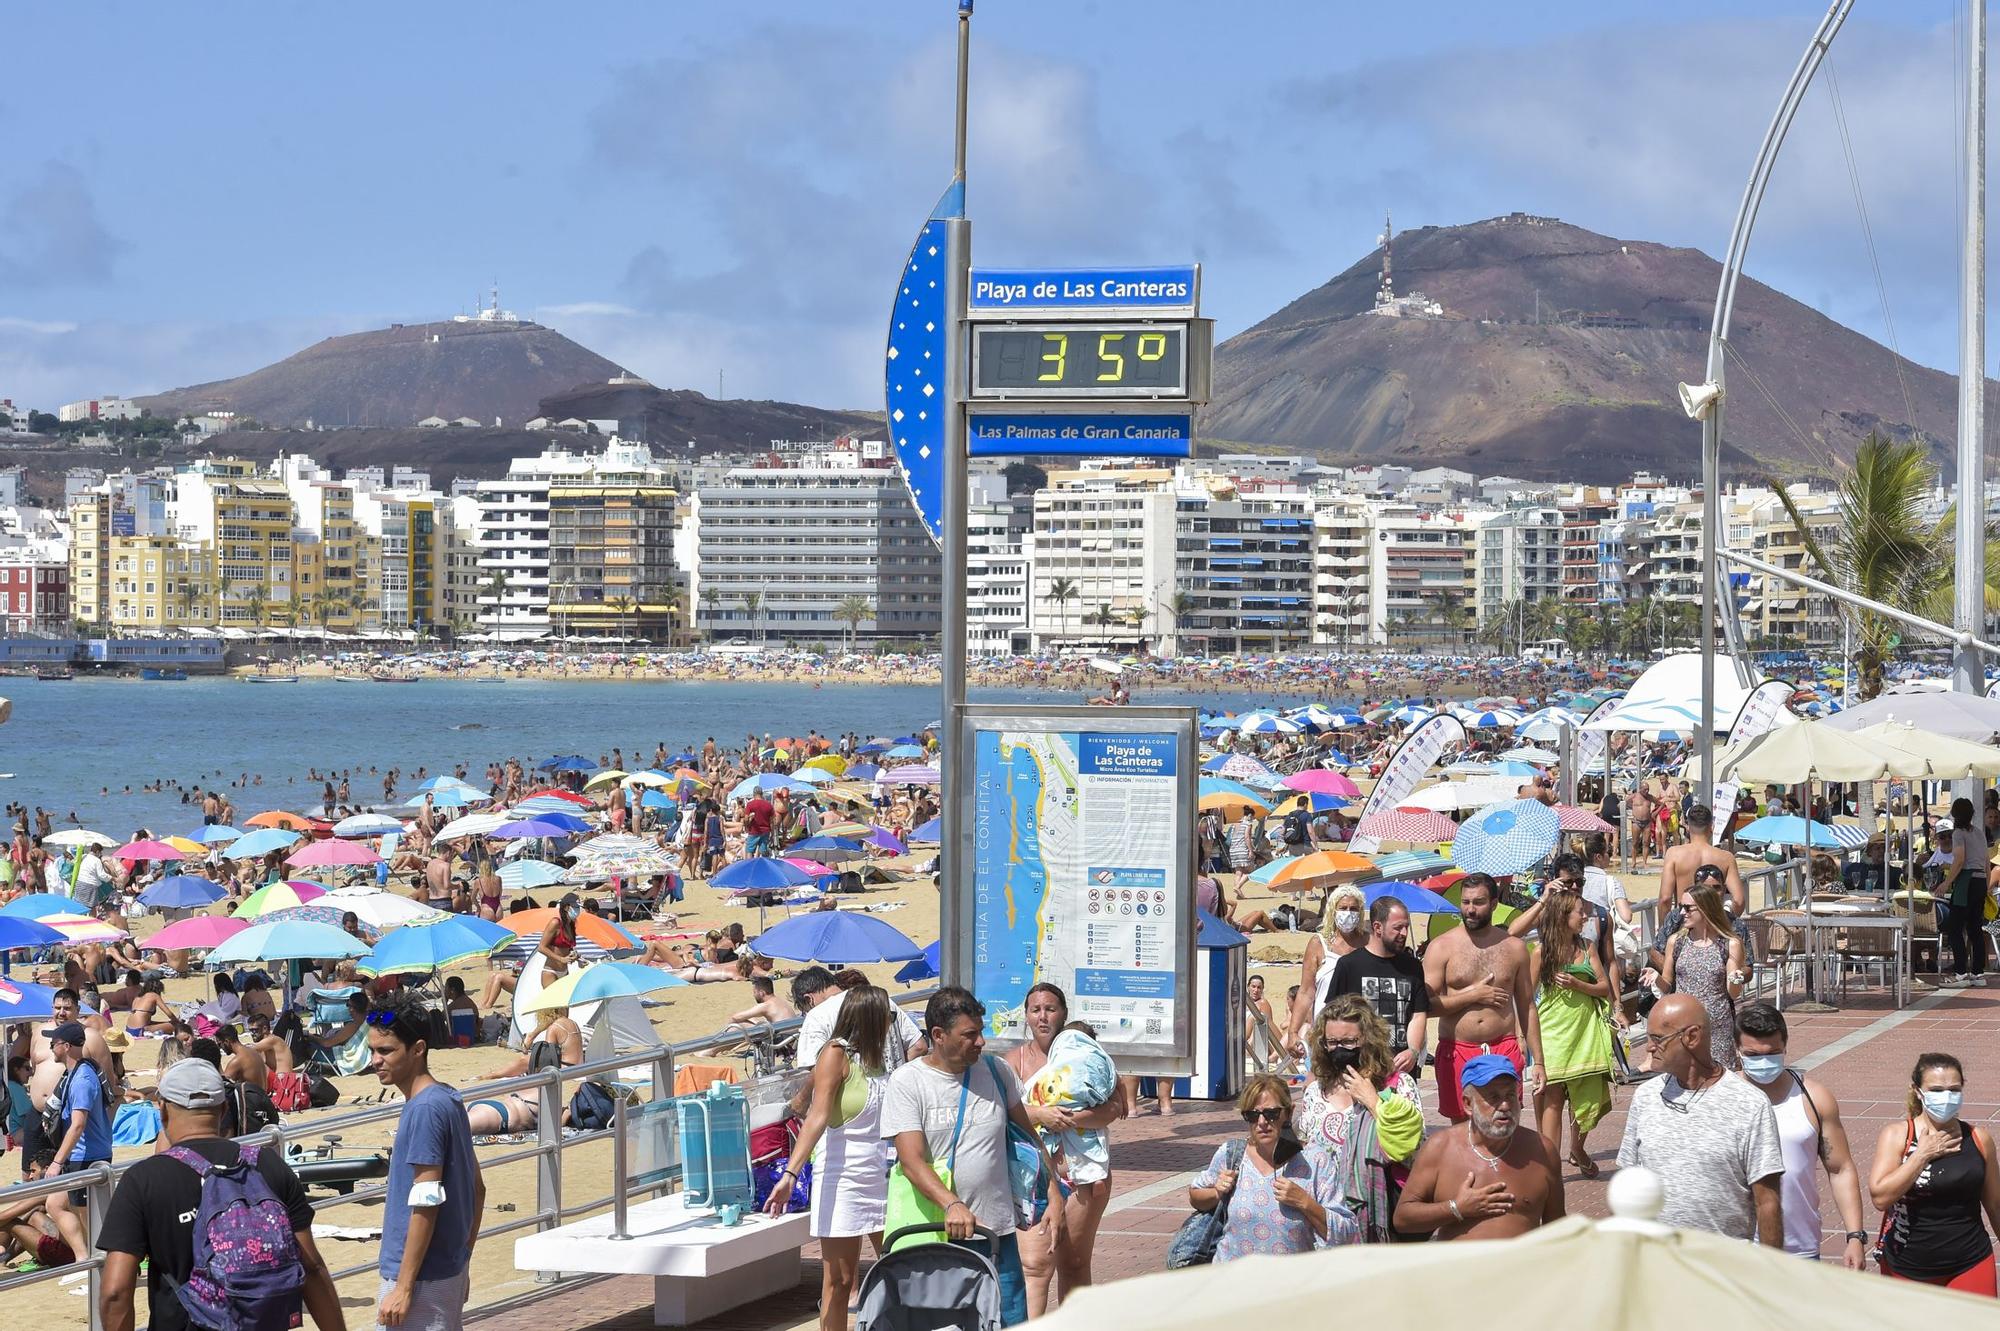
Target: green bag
<point>907,1208</point>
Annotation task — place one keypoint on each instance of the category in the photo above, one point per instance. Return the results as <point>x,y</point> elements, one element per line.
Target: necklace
<point>1492,1162</point>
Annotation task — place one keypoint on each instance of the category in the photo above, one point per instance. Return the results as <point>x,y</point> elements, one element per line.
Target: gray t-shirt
<point>1707,1157</point>
<point>924,1097</point>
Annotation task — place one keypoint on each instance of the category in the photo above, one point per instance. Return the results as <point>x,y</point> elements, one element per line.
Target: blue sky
<point>698,189</point>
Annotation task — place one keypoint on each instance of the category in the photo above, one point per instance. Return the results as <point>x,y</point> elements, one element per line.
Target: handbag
<point>909,1209</point>
<point>1194,1242</point>
<point>592,1107</point>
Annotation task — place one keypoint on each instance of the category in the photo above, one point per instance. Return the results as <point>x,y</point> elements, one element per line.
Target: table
<point>682,1247</point>
<point>1829,919</point>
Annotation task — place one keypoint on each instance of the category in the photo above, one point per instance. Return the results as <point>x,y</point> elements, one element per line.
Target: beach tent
<point>610,1026</point>
<point>1668,696</point>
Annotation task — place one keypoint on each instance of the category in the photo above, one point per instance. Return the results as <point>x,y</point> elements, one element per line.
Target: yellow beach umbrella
<point>186,846</point>
<point>828,762</point>
<point>1226,800</point>
<point>610,776</point>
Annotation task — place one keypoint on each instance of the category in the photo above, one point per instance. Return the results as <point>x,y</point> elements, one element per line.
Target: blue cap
<point>1487,1067</point>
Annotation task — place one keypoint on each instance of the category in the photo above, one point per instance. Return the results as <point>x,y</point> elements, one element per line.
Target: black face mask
<point>1343,1060</point>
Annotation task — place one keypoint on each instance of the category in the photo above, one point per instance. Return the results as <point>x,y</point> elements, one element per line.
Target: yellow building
<point>252,525</point>
<point>158,582</point>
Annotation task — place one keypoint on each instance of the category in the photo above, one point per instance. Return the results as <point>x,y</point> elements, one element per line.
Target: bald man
<point>1710,1135</point>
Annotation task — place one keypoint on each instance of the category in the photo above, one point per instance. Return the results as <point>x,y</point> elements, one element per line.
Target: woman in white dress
<point>850,1186</point>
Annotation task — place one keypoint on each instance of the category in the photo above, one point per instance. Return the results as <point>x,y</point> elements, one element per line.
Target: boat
<point>271,679</point>
<point>53,673</point>
<point>350,679</point>
<point>163,673</point>
<point>393,679</point>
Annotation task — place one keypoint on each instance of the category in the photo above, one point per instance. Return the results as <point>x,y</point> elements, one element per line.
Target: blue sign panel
<point>1033,290</point>
<point>916,379</point>
<point>1091,434</point>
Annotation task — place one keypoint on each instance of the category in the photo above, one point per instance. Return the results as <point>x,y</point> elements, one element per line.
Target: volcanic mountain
<point>1546,351</point>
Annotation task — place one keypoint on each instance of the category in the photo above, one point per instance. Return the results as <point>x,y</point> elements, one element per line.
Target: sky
<point>720,195</point>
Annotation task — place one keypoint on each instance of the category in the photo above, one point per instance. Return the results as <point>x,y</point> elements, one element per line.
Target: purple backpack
<point>247,1275</point>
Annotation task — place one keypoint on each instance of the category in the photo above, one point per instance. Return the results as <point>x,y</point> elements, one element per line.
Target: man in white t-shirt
<point>953,1105</point>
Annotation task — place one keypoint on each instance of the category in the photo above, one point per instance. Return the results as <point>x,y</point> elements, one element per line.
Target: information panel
<point>1076,836</point>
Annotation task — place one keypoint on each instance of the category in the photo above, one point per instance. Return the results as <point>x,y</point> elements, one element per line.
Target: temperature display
<point>1068,360</point>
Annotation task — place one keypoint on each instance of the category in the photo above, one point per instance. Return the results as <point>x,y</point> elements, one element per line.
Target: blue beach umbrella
<point>765,783</point>
<point>760,874</point>
<point>19,931</point>
<point>530,873</point>
<point>842,937</point>
<point>904,750</point>
<point>444,783</point>
<point>1506,838</point>
<point>658,799</point>
<point>1411,863</point>
<point>257,844</point>
<point>862,772</point>
<point>926,967</point>
<point>22,1001</point>
<point>828,849</point>
<point>931,832</point>
<point>181,892</point>
<point>1792,830</point>
<point>214,834</point>
<point>536,805</point>
<point>1413,896</point>
<point>40,905</point>
<point>605,979</point>
<point>541,825</point>
<point>569,762</point>
<point>286,940</point>
<point>883,839</point>
<point>426,947</point>
<point>457,797</point>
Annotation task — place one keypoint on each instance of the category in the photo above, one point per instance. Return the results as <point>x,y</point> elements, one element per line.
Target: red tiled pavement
<point>1863,1053</point>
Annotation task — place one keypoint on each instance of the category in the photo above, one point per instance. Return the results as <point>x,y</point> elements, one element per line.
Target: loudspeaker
<point>1697,400</point>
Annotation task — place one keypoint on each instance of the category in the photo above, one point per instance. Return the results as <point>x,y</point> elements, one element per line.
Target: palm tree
<point>752,603</point>
<point>1447,612</point>
<point>622,606</point>
<point>1062,591</point>
<point>853,610</point>
<point>1883,548</point>
<point>711,598</point>
<point>257,599</point>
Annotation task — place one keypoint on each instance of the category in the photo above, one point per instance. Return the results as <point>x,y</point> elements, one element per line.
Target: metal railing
<point>552,1206</point>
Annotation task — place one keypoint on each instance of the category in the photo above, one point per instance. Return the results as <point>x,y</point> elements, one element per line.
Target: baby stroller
<point>931,1287</point>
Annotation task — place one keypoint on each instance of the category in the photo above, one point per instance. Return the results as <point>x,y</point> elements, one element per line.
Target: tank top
<point>1799,1138</point>
<point>1936,1231</point>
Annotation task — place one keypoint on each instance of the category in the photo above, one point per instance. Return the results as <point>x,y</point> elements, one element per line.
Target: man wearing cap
<point>151,1215</point>
<point>1710,1135</point>
<point>85,1126</point>
<point>1489,1180</point>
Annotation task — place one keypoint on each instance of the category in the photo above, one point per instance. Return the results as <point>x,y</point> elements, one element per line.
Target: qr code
<point>1152,1026</point>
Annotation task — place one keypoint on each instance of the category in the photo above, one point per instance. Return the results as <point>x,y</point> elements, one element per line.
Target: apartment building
<point>1520,558</point>
<point>1106,558</point>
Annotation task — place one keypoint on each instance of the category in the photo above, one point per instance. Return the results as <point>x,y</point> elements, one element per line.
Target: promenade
<point>1863,1053</point>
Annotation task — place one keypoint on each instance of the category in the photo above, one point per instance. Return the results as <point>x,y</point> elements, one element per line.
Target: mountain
<point>396,376</point>
<point>1552,352</point>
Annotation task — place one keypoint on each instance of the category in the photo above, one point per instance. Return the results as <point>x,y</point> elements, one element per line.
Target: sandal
<point>1584,1164</point>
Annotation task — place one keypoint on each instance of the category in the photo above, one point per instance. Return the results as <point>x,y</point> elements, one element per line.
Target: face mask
<point>1347,921</point>
<point>1943,1105</point>
<point>1342,1060</point>
<point>1763,1068</point>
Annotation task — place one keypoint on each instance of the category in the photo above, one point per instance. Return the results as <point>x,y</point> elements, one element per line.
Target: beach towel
<point>352,1059</point>
<point>137,1123</point>
<point>1078,1075</point>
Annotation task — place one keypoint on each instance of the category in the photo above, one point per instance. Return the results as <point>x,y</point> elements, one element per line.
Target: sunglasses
<point>1263,1115</point>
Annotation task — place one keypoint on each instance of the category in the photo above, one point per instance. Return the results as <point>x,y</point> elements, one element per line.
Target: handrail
<point>549,1209</point>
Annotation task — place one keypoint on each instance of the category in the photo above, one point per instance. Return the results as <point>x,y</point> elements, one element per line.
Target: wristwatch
<point>1857,1235</point>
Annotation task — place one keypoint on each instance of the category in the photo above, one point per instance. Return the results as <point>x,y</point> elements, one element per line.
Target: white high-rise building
<point>1104,565</point>
<point>999,548</point>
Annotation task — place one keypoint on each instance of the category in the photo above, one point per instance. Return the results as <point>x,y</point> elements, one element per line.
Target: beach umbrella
<point>83,928</point>
<point>257,844</point>
<point>903,751</point>
<point>649,778</point>
<point>278,896</point>
<point>610,776</point>
<point>814,776</point>
<point>926,967</point>
<point>368,825</point>
<point>215,834</point>
<point>1449,795</point>
<point>286,940</point>
<point>19,931</point>
<point>1528,753</point>
<point>523,874</point>
<point>569,762</point>
<point>1316,717</point>
<point>321,911</point>
<point>441,782</point>
<point>684,757</point>
<point>332,854</point>
<point>72,837</point>
<point>472,824</point>
<point>1301,871</point>
<point>604,979</point>
<point>148,850</point>
<point>1494,720</point>
<point>1410,864</point>
<point>1265,723</point>
<point>378,909</point>
<point>862,772</point>
<point>838,936</point>
<point>291,822</point>
<point>541,825</point>
<point>1311,802</point>
<point>658,799</point>
<point>41,905</point>
<point>1576,818</point>
<point>766,783</point>
<point>760,874</point>
<point>21,1000</point>
<point>182,891</point>
<point>883,839</point>
<point>1417,826</point>
<point>594,928</point>
<point>827,762</point>
<point>1417,898</point>
<point>457,797</point>
<point>185,846</point>
<point>1242,767</point>
<point>196,932</point>
<point>914,774</point>
<point>1321,781</point>
<point>1410,716</point>
<point>829,849</point>
<point>615,845</point>
<point>431,946</point>
<point>1792,830</point>
<point>1506,838</point>
<point>931,832</point>
<point>536,805</point>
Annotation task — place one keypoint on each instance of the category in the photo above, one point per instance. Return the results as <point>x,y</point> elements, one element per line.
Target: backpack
<point>1297,828</point>
<point>246,1274</point>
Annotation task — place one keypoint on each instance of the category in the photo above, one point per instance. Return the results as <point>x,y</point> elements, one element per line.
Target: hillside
<point>1556,357</point>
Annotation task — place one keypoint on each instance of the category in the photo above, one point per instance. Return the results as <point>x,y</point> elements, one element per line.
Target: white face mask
<point>1943,1106</point>
<point>1763,1068</point>
<point>1347,921</point>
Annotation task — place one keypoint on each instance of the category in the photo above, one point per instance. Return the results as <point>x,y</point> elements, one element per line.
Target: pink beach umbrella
<point>333,853</point>
<point>1322,782</point>
<point>147,850</point>
<point>1576,818</point>
<point>197,931</point>
<point>1420,827</point>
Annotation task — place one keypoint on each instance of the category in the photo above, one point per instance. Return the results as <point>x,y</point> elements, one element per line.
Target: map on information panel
<point>1074,878</point>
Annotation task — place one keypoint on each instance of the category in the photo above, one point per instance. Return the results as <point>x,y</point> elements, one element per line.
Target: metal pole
<point>1718,335</point>
<point>1968,672</point>
<point>619,1171</point>
<point>952,518</point>
<point>1845,597</point>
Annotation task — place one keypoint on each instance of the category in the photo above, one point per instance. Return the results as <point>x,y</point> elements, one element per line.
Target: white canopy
<point>1668,696</point>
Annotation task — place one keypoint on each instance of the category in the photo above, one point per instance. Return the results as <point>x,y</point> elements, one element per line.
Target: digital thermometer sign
<point>1080,359</point>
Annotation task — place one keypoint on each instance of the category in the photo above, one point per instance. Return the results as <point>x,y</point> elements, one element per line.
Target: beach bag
<point>1297,827</point>
<point>289,1092</point>
<point>770,1155</point>
<point>321,1093</point>
<point>246,1274</point>
<point>909,1209</point>
<point>592,1107</point>
<point>1194,1242</point>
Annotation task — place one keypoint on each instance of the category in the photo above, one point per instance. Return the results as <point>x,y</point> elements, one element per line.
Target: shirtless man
<point>1677,873</point>
<point>242,1062</point>
<point>1489,1181</point>
<point>1483,995</point>
<point>437,880</point>
<point>48,1069</point>
<point>276,1053</point>
<point>769,1007</point>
